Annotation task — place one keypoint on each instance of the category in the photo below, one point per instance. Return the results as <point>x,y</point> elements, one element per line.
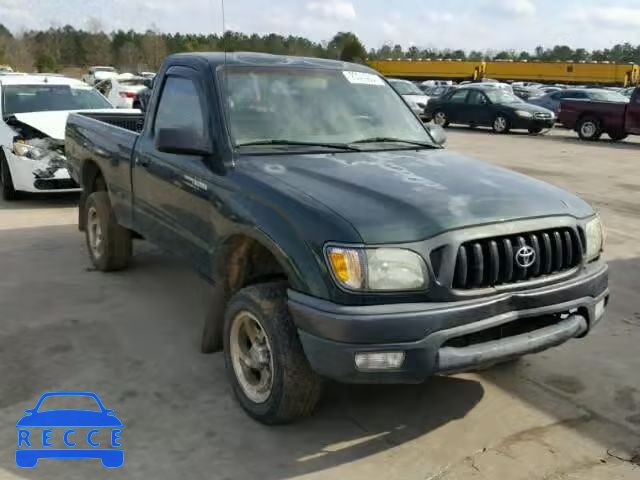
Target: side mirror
<point>148,82</point>
<point>182,141</point>
<point>437,133</point>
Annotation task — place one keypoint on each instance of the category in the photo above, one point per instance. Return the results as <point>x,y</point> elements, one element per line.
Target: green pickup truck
<point>341,239</point>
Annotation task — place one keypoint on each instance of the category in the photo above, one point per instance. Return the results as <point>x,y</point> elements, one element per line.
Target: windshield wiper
<point>337,146</point>
<point>394,140</point>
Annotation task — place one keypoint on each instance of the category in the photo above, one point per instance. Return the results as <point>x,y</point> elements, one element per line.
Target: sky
<point>467,24</point>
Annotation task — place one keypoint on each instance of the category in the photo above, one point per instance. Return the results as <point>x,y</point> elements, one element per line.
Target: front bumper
<point>427,333</point>
<point>526,123</point>
<point>36,177</point>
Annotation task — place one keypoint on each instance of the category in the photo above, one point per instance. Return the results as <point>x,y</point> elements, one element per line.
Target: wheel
<point>535,130</point>
<point>266,365</point>
<point>441,118</point>
<point>6,183</point>
<point>589,128</point>
<point>617,136</point>
<point>500,124</point>
<point>109,244</point>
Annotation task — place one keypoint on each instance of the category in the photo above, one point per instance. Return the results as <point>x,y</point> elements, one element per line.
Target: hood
<point>527,107</point>
<point>407,196</point>
<point>53,123</point>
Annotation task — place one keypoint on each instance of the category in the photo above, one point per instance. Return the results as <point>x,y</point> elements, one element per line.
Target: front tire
<point>589,128</point>
<point>269,372</point>
<point>109,243</point>
<point>500,124</point>
<point>6,182</point>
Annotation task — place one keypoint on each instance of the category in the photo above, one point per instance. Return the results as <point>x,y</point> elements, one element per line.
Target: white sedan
<point>121,90</point>
<point>34,110</point>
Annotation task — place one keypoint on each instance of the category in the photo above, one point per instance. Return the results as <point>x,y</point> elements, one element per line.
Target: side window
<point>458,96</point>
<point>476,98</point>
<point>580,95</point>
<point>557,96</point>
<point>179,106</point>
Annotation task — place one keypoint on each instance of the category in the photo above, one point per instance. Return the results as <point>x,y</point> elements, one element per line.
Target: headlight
<point>27,151</point>
<point>594,235</point>
<point>378,269</point>
<point>524,114</point>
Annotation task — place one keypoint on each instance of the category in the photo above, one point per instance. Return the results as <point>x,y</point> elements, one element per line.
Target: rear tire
<point>6,182</point>
<point>500,124</point>
<point>589,128</point>
<point>109,243</point>
<point>617,136</point>
<point>268,370</point>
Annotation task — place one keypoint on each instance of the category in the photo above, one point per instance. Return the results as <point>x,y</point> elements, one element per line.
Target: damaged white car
<point>34,112</point>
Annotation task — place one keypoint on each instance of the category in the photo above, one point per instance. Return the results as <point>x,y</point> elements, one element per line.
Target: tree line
<point>62,47</point>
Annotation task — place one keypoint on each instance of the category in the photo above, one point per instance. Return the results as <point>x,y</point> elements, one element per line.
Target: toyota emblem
<point>525,256</point>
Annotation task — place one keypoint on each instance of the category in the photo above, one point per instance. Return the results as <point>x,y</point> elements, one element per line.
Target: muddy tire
<point>108,243</point>
<point>6,183</point>
<point>267,368</point>
<point>589,128</point>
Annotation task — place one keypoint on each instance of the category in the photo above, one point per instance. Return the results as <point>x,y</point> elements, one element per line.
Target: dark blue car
<point>28,455</point>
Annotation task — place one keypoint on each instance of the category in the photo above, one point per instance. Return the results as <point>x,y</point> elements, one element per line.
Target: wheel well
<point>92,178</point>
<point>589,114</point>
<point>92,181</point>
<point>245,261</point>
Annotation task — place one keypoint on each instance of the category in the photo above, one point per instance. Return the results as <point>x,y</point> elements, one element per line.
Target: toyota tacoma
<point>341,240</point>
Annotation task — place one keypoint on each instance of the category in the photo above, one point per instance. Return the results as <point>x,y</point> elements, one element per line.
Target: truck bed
<point>128,121</point>
<point>611,114</point>
<point>107,139</point>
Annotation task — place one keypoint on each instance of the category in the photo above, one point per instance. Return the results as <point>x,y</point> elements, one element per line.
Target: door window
<point>477,98</point>
<point>458,96</point>
<point>180,106</point>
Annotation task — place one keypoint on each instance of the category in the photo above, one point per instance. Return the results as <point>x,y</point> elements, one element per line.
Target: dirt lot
<point>132,337</point>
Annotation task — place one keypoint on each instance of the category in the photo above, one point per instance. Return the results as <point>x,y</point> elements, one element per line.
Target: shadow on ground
<point>40,200</point>
<point>132,337</point>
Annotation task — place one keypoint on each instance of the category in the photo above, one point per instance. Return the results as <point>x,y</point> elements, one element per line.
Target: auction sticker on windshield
<point>363,78</point>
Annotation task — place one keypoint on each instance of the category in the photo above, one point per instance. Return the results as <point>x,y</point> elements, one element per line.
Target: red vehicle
<point>592,119</point>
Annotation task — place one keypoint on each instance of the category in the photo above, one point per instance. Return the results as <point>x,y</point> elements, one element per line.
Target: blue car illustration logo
<point>68,425</point>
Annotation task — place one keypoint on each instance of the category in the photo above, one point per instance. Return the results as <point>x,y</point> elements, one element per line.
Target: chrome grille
<point>490,262</point>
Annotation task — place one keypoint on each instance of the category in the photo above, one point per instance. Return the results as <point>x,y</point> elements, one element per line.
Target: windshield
<point>405,88</point>
<point>42,98</point>
<point>607,96</point>
<point>499,95</point>
<point>306,105</point>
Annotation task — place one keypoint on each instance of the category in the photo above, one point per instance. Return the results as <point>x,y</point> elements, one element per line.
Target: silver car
<point>416,99</point>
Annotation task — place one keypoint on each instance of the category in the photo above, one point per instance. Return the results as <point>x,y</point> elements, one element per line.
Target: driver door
<point>478,108</point>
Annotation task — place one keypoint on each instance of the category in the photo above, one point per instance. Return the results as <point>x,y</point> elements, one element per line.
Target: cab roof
<point>217,59</point>
<point>40,79</point>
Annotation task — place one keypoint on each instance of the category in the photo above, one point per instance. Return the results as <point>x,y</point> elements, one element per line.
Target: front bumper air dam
<point>332,338</point>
